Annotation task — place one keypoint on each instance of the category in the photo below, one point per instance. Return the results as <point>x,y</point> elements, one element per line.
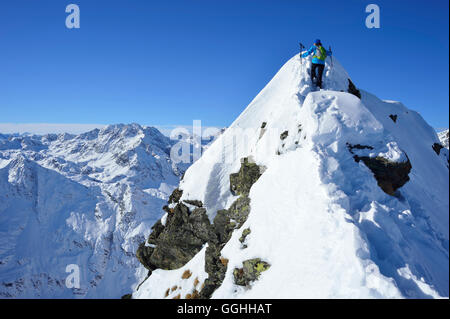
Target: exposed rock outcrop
<point>197,203</point>
<point>352,89</point>
<point>244,235</point>
<point>186,232</point>
<point>215,269</point>
<point>390,175</point>
<point>250,271</point>
<point>143,254</point>
<point>437,147</point>
<point>182,237</point>
<point>241,182</point>
<point>228,220</point>
<point>175,196</point>
<point>263,129</point>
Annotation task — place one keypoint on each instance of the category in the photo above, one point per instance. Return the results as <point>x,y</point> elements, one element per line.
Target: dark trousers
<point>318,75</point>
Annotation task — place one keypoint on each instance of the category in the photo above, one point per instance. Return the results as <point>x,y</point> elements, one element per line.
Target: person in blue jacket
<point>318,61</point>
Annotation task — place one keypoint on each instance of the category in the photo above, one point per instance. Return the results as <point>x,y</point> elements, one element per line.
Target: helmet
<point>317,41</point>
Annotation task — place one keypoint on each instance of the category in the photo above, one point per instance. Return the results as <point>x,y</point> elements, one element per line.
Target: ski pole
<point>301,59</point>
<point>331,57</point>
<point>301,50</point>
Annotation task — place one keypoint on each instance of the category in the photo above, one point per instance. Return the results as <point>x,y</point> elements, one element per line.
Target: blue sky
<point>170,62</point>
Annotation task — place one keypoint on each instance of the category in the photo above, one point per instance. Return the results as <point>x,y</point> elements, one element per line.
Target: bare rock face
<point>389,175</point>
<point>215,268</point>
<point>284,135</point>
<point>185,231</point>
<point>250,271</point>
<point>244,235</point>
<point>181,239</point>
<point>241,182</point>
<point>352,89</point>
<point>228,220</point>
<point>196,203</point>
<point>183,236</point>
<point>263,129</point>
<point>437,148</point>
<point>175,196</point>
<point>143,254</point>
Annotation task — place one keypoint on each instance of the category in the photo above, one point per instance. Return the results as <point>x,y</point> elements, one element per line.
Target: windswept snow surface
<point>87,200</point>
<point>317,216</point>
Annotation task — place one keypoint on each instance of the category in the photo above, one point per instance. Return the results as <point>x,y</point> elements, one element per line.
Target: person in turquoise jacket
<point>318,61</point>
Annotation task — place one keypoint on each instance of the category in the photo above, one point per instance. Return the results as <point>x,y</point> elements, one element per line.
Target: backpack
<point>320,53</point>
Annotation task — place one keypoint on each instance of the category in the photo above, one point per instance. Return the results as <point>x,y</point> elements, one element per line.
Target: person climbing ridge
<point>318,61</point>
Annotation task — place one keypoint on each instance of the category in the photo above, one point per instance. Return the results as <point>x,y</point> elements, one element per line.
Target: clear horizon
<point>75,128</point>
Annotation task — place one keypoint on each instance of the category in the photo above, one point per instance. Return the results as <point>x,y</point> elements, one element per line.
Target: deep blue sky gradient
<point>172,61</point>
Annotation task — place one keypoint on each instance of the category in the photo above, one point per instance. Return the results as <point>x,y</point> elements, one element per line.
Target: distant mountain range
<point>87,199</point>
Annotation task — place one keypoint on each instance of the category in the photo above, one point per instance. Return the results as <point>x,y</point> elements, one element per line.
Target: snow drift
<point>351,201</point>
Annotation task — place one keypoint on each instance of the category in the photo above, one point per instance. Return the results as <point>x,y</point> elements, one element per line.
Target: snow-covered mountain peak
<point>133,152</point>
<point>308,194</point>
<point>20,172</point>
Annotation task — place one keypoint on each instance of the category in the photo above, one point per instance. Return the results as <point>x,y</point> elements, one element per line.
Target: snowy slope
<point>86,199</point>
<point>317,215</point>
